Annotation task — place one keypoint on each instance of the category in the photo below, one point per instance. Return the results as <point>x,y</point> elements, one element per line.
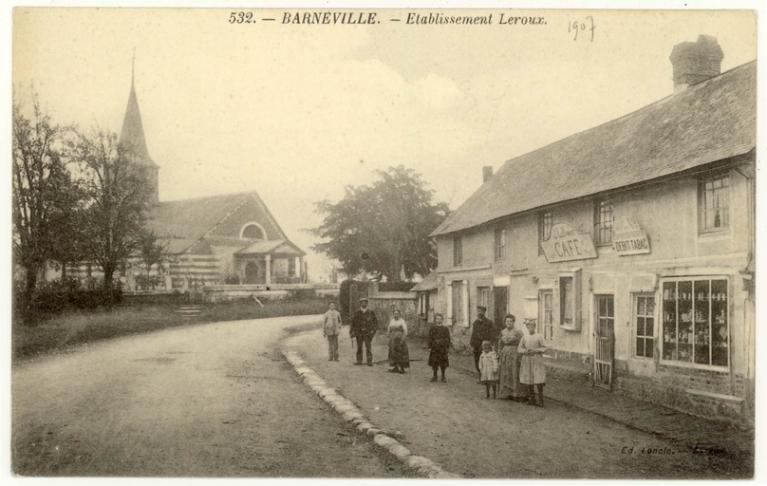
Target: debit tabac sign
<point>631,241</point>
<point>565,244</point>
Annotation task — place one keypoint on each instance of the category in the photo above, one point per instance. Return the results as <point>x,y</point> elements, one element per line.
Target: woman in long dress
<point>439,344</point>
<point>532,371</point>
<point>509,360</point>
<point>399,357</point>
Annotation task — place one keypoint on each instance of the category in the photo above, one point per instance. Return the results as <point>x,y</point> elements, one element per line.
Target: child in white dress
<point>488,369</point>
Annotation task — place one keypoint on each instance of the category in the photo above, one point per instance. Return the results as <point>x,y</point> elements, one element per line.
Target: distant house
<point>230,238</point>
<point>631,244</point>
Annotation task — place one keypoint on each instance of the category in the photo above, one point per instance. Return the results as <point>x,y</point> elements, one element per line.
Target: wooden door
<point>604,346</point>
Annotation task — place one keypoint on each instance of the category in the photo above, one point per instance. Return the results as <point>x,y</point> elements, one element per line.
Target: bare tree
<point>117,200</point>
<point>44,195</point>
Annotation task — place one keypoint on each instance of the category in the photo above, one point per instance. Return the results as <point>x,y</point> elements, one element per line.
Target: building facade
<point>631,244</point>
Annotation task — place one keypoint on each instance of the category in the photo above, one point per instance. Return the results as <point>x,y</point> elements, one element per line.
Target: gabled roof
<point>181,224</point>
<point>192,218</point>
<point>707,122</point>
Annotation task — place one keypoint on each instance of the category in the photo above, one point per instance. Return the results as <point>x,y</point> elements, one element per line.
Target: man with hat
<point>483,329</point>
<point>363,328</point>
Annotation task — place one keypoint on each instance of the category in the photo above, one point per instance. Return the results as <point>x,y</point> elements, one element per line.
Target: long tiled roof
<point>707,122</point>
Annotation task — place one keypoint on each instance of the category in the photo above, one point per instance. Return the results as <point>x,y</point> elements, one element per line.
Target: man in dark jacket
<point>363,327</point>
<point>483,329</point>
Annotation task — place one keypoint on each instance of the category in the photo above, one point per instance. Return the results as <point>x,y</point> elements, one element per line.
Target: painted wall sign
<point>631,242</point>
<point>566,244</point>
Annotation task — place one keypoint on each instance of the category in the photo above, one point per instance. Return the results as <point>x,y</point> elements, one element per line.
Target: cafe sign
<point>566,244</point>
<point>631,241</point>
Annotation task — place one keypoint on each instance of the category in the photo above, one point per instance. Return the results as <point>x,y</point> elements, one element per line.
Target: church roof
<point>708,122</point>
<point>132,133</point>
<point>182,224</point>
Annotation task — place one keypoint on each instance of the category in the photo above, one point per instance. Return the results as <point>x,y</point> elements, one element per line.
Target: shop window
<point>713,205</point>
<point>603,222</point>
<point>644,326</point>
<point>570,301</point>
<point>695,322</point>
<point>500,243</point>
<point>545,222</point>
<point>457,251</point>
<point>545,313</point>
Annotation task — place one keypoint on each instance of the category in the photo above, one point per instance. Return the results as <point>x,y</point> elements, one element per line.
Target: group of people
<point>508,360</point>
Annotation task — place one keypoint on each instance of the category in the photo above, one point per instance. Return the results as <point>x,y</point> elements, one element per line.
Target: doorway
<point>604,346</point>
<point>253,273</point>
<point>457,298</point>
<point>500,304</point>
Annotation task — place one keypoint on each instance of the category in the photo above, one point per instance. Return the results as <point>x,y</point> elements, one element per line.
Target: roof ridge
<point>213,196</point>
<point>648,106</point>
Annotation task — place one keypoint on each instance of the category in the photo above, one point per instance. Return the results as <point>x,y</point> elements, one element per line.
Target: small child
<point>488,368</point>
<point>330,329</point>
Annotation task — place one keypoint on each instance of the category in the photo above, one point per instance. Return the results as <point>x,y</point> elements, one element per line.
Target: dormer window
<point>252,231</point>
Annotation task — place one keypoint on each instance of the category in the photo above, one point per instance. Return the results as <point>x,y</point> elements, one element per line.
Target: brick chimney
<point>695,62</point>
<point>487,173</point>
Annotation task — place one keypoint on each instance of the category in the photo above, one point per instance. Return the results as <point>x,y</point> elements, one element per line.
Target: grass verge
<point>77,327</point>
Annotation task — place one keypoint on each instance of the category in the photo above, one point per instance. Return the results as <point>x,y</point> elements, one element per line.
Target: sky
<point>298,112</point>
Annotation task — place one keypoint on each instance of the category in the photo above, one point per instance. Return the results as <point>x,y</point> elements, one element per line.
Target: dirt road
<point>207,400</point>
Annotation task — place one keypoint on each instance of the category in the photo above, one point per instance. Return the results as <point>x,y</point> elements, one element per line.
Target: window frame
<point>635,321</point>
<point>545,223</point>
<point>248,225</point>
<point>457,250</point>
<point>499,243</point>
<point>702,209</point>
<point>661,320</point>
<point>599,224</point>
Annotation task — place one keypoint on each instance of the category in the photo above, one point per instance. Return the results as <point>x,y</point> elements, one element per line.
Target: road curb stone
<point>350,413</point>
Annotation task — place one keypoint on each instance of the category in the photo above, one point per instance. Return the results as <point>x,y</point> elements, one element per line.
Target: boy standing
<point>330,330</point>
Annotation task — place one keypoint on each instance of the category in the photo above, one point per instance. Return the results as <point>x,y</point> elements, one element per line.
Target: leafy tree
<point>151,251</point>
<point>45,198</point>
<point>117,200</point>
<point>384,227</point>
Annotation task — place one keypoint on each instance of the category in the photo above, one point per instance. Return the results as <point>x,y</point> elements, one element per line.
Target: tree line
<point>77,197</point>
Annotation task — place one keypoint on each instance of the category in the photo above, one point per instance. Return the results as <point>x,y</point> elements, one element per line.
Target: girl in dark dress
<point>439,344</point>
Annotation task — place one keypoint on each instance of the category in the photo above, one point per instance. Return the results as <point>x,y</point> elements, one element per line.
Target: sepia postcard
<point>390,243</point>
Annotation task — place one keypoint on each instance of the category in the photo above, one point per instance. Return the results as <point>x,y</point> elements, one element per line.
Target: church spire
<point>132,133</point>
<point>132,137</point>
<point>133,70</point>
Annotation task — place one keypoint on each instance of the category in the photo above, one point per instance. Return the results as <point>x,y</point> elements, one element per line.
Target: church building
<point>231,238</point>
